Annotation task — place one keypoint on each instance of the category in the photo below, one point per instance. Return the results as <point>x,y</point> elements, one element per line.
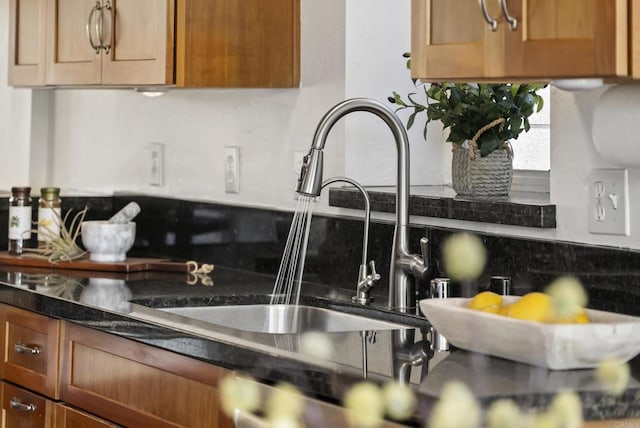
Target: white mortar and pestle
<point>109,240</point>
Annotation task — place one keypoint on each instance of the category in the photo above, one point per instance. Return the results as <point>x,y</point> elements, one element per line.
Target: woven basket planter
<point>481,176</point>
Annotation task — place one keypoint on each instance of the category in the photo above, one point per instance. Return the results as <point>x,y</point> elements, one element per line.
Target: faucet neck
<point>402,147</point>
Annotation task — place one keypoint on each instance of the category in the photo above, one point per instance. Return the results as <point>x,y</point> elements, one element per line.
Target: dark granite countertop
<point>125,306</point>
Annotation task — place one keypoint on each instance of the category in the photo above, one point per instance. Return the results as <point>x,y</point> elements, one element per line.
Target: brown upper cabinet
<point>522,39</point>
<point>182,43</point>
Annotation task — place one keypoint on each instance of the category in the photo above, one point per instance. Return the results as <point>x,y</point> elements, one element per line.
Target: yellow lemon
<point>485,299</point>
<point>533,306</point>
<point>580,318</point>
<point>505,310</point>
<point>492,309</point>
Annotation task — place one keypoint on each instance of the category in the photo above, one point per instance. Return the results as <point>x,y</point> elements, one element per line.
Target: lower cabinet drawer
<point>67,417</point>
<point>137,385</point>
<point>23,409</point>
<point>30,356</point>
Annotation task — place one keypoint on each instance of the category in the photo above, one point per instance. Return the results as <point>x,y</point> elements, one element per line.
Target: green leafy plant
<point>62,247</point>
<point>465,108</point>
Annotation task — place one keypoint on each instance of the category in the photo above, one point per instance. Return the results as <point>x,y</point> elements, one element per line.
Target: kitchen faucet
<point>366,280</point>
<point>404,266</point>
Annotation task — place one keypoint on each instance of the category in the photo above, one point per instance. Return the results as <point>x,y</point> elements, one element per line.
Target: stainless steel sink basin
<point>282,319</point>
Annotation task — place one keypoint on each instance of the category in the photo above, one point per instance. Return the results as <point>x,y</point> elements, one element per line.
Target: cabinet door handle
<point>18,405</point>
<point>21,348</point>
<point>88,28</point>
<point>106,47</point>
<point>493,23</point>
<point>513,22</point>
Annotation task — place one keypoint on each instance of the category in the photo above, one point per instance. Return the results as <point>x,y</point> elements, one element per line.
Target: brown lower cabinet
<point>137,385</point>
<point>102,380</point>
<point>99,379</point>
<point>67,417</point>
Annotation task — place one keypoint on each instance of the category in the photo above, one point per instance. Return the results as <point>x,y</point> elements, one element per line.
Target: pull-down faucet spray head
<point>310,180</point>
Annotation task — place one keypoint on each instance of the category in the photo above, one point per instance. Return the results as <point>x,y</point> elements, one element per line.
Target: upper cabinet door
<point>73,55</point>
<point>451,39</point>
<point>567,38</point>
<point>519,39</point>
<point>27,48</point>
<point>138,42</point>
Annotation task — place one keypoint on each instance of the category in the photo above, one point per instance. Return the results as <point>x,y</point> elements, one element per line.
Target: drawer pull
<point>18,405</point>
<point>21,348</point>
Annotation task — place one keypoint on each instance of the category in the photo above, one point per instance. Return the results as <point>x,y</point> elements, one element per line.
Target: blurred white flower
<point>238,392</point>
<point>566,408</point>
<point>503,414</point>
<point>364,404</point>
<point>464,256</point>
<point>614,375</point>
<point>285,401</point>
<point>316,344</point>
<point>568,295</point>
<point>400,400</point>
<point>456,408</point>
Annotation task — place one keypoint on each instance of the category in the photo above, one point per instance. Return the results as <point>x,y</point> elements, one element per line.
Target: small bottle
<point>19,218</point>
<point>49,215</point>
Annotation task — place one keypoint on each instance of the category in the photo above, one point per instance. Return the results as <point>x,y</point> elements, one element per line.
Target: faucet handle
<point>424,249</point>
<point>365,283</point>
<point>374,276</point>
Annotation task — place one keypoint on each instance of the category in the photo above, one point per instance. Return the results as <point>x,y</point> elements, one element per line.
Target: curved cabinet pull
<point>94,46</point>
<point>513,22</point>
<point>19,406</point>
<point>21,348</point>
<point>493,23</point>
<point>106,47</point>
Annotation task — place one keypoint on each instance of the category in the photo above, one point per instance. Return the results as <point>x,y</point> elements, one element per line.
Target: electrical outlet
<point>609,201</point>
<point>232,169</point>
<point>156,171</point>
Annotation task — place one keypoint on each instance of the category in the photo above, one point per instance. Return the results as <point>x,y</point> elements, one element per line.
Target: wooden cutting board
<point>132,264</point>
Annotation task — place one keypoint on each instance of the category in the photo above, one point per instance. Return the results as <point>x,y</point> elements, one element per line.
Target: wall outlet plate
<point>156,171</point>
<point>609,201</point>
<point>232,169</point>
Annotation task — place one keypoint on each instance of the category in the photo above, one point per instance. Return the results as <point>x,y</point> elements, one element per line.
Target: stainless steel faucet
<point>404,266</point>
<point>367,275</point>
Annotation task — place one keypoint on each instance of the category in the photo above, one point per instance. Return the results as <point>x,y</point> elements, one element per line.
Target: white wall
<point>98,140</point>
<point>15,119</point>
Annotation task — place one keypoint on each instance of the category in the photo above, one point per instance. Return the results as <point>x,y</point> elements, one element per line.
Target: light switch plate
<point>609,201</point>
<point>232,169</point>
<point>156,168</point>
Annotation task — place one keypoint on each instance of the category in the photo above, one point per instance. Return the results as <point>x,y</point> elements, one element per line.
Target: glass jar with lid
<point>19,219</point>
<point>49,215</point>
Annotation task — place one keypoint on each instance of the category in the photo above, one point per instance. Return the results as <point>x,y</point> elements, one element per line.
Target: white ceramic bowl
<point>555,346</point>
<point>108,242</point>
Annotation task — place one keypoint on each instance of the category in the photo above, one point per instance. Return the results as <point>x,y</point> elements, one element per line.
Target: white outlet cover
<point>232,169</point>
<point>156,166</point>
<point>609,213</point>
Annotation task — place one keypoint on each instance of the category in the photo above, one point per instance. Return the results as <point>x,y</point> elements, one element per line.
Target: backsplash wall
<point>253,240</point>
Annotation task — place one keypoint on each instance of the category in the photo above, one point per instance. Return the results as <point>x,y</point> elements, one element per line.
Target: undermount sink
<point>282,319</point>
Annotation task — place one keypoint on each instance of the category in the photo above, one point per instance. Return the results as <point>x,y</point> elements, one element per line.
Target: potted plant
<point>481,119</point>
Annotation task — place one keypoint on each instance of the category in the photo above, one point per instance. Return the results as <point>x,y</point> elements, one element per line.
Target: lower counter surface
<point>277,358</point>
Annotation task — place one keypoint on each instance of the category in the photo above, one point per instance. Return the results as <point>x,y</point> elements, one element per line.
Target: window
<point>532,152</point>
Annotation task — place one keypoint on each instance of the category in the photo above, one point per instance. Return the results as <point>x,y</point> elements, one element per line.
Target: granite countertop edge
<point>317,381</point>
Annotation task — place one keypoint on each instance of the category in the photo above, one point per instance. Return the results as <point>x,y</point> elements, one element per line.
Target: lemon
<point>505,310</point>
<point>534,306</point>
<point>492,309</point>
<point>485,299</point>
<point>580,318</point>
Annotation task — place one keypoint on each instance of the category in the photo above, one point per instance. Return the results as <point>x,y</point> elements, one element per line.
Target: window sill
<point>518,209</point>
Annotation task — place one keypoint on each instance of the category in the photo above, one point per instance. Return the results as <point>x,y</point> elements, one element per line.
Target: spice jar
<point>49,215</point>
<point>19,219</point>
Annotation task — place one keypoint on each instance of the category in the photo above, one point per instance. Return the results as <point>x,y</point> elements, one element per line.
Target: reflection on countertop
<point>127,307</point>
